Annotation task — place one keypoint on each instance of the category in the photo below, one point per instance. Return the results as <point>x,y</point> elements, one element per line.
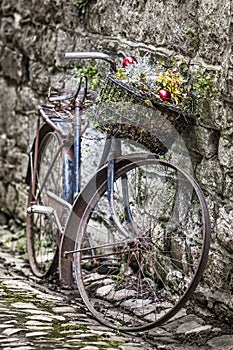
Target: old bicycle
<point>136,237</point>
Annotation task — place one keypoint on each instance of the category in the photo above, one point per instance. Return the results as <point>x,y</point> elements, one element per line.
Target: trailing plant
<point>91,72</point>
<point>205,83</point>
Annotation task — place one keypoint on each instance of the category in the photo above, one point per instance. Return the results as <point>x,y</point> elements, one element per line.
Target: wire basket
<point>124,112</point>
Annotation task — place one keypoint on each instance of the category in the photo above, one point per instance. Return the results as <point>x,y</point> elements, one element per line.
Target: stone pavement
<point>32,316</point>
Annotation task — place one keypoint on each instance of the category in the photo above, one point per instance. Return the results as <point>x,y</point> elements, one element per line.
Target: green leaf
<point>149,103</point>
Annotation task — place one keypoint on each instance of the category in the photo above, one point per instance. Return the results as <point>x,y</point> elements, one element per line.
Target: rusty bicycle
<point>135,238</point>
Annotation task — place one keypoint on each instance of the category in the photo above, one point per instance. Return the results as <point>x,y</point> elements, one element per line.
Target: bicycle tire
<point>137,283</point>
<point>41,229</point>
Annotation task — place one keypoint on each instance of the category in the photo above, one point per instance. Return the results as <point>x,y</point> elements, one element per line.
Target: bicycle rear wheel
<point>139,281</point>
<point>45,207</point>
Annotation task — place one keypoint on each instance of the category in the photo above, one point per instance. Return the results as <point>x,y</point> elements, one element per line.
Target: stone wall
<point>34,36</point>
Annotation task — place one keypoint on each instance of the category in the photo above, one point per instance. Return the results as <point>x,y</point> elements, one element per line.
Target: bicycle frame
<point>71,171</point>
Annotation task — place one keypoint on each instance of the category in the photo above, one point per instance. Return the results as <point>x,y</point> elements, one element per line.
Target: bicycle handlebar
<point>92,55</point>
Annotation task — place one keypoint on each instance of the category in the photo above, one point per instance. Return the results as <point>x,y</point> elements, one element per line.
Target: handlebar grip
<point>92,55</point>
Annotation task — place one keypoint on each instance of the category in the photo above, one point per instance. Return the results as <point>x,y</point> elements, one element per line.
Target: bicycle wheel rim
<point>193,281</point>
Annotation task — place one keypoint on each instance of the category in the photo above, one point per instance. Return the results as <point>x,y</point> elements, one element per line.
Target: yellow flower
<point>172,83</point>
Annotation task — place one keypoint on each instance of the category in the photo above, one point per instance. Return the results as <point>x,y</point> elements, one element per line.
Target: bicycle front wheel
<point>140,280</point>
<point>45,206</point>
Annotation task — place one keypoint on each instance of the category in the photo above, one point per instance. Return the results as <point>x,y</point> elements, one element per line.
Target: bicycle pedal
<point>40,209</point>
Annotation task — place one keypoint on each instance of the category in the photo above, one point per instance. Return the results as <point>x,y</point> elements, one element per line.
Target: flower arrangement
<point>177,85</point>
<point>170,91</point>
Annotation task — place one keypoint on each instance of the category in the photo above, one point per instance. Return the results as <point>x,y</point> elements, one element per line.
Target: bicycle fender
<point>42,132</point>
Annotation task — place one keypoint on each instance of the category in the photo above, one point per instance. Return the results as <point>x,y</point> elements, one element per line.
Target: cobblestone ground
<point>33,316</point>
